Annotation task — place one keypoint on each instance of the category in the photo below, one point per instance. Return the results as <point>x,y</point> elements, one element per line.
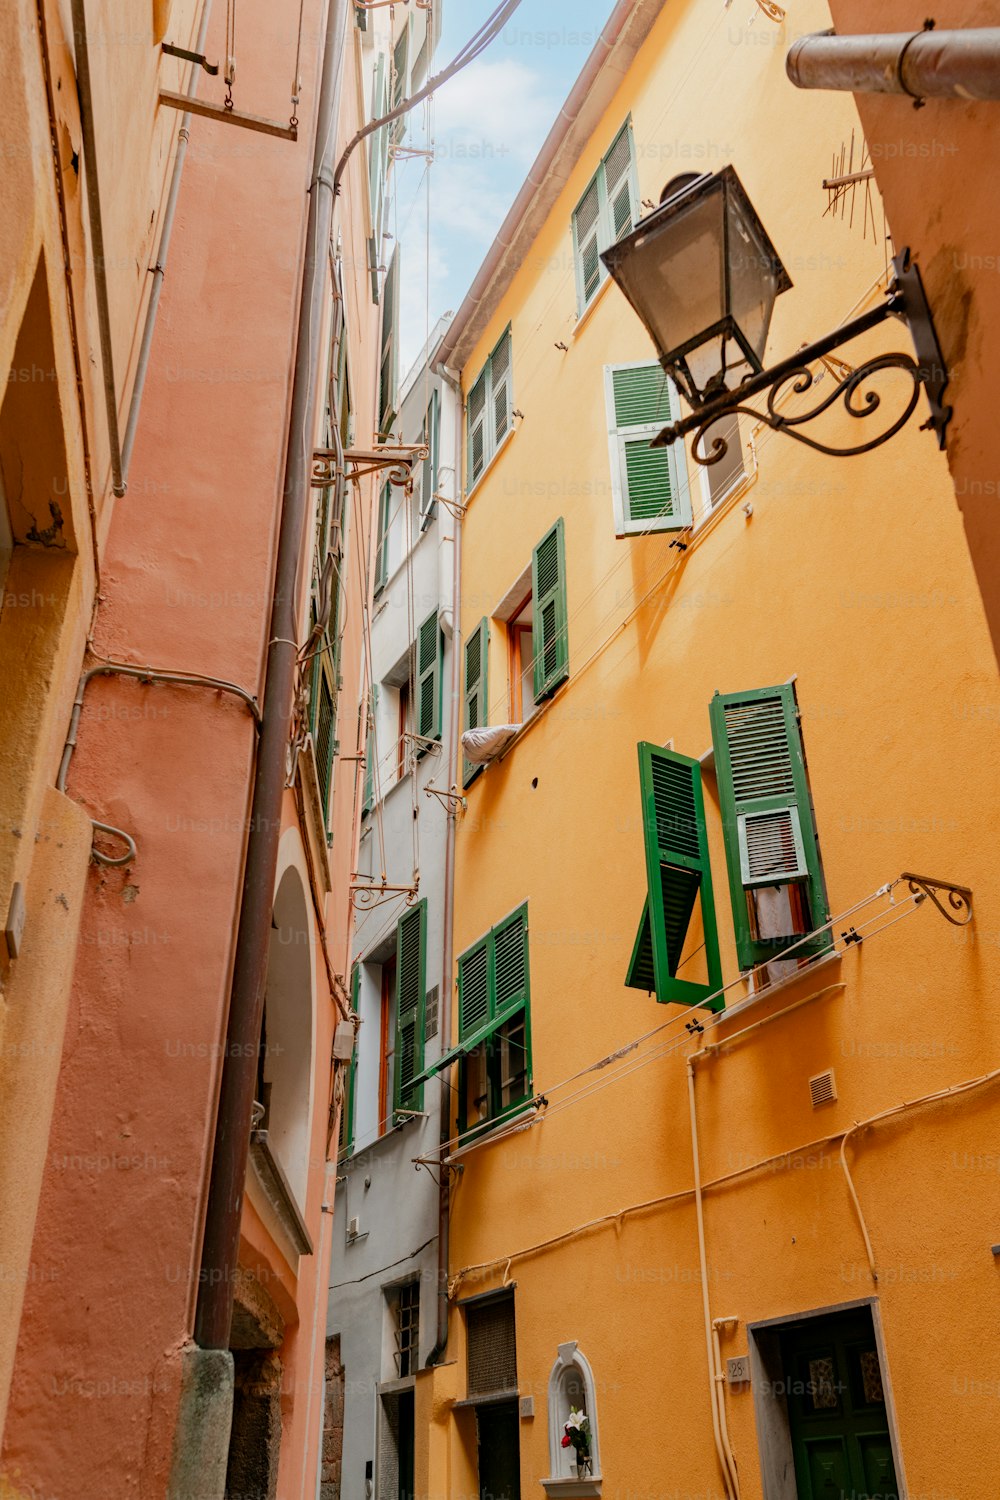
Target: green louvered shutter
<point>500,391</point>
<point>586,244</point>
<point>621,189</point>
<point>431,464</point>
<point>476,707</point>
<point>767,818</point>
<point>382,537</point>
<point>429,681</point>
<point>400,57</point>
<point>346,1140</point>
<point>677,870</point>
<point>369,794</point>
<point>647,491</point>
<point>476,423</point>
<point>378,147</point>
<point>510,964</point>
<point>388,364</point>
<point>411,982</point>
<point>474,990</point>
<point>549,630</point>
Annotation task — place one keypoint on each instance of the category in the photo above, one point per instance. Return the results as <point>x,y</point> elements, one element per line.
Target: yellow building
<point>755,1244</point>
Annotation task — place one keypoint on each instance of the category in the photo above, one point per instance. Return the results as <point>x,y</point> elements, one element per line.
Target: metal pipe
<point>220,1246</point>
<point>163,249</point>
<point>720,1386</point>
<point>922,64</point>
<point>706,1309</point>
<point>79,17</point>
<point>447,961</point>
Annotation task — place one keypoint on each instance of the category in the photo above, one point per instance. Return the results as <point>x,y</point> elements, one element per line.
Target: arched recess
<point>571,1386</point>
<point>285,1075</point>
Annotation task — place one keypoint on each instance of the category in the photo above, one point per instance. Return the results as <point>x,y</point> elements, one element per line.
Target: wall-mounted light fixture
<point>703,276</point>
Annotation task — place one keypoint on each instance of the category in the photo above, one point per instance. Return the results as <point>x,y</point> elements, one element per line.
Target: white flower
<point>577,1419</point>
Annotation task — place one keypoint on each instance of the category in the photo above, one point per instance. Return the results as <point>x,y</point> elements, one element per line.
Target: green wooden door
<point>836,1411</point>
<point>499,1451</point>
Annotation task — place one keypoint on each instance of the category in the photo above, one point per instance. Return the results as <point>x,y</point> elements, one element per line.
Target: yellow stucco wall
<point>853,577</point>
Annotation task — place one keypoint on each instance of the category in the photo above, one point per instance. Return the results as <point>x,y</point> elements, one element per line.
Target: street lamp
<point>703,276</point>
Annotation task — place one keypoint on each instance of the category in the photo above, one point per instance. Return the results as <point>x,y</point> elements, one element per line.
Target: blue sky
<point>485,126</point>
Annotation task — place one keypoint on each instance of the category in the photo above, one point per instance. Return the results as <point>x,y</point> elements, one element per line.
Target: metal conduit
<point>923,64</point>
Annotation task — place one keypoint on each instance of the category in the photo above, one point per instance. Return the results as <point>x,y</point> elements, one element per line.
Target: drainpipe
<point>726,1462</point>
<point>79,18</point>
<point>922,64</point>
<point>447,958</point>
<point>159,269</point>
<point>220,1247</point>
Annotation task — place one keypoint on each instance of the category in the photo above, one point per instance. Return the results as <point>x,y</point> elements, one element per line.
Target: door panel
<point>878,1468</point>
<point>829,1468</point>
<point>499,1451</point>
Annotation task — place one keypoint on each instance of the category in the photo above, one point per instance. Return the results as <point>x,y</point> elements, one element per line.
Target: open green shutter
<point>411,970</point>
<point>501,402</point>
<point>400,80</point>
<point>388,364</point>
<point>429,471</point>
<point>677,870</point>
<point>510,964</point>
<point>382,537</point>
<point>378,146</point>
<point>476,708</point>
<point>429,681</point>
<point>621,190</point>
<point>474,989</point>
<point>767,819</point>
<point>647,490</point>
<point>369,795</point>
<point>350,1087</point>
<point>476,427</point>
<point>548,592</point>
<point>586,244</point>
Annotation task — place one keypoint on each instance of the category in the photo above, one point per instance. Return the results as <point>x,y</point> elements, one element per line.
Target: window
<point>521,664</point>
<point>411,989</point>
<point>772,853</point>
<point>648,490</point>
<point>400,81</point>
<point>491,1345</point>
<point>431,435</point>
<point>671,935</point>
<point>608,210</point>
<point>387,1046</point>
<point>720,479</point>
<point>382,537</point>
<point>494,1047</point>
<point>404,730</point>
<point>405,1307</point>
<point>548,589</point>
<point>476,708</point>
<point>388,383</point>
<point>489,409</point>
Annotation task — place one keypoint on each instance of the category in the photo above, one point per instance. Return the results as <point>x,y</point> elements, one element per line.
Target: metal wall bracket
<point>365,896</point>
<point>232,116</point>
<point>959,896</point>
<point>453,801</point>
<point>195,57</point>
<point>398,458</point>
<point>906,299</point>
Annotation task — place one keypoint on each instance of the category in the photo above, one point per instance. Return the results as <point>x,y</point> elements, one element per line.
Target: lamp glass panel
<point>753,277</point>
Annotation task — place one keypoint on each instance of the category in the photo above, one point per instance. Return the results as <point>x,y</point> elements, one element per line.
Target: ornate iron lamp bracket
<point>959,896</point>
<point>452,801</point>
<point>397,458</point>
<point>905,299</point>
<point>365,896</point>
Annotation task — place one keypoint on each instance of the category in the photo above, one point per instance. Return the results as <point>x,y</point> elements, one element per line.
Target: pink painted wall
<point>936,168</point>
<point>187,577</point>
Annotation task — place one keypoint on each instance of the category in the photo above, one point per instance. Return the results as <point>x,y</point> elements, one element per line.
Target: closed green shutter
<point>474,989</point>
<point>549,629</point>
<point>411,990</point>
<point>586,243</point>
<point>350,1086</point>
<point>647,491</point>
<point>608,210</point>
<point>621,192</point>
<point>388,363</point>
<point>767,818</point>
<point>431,464</point>
<point>500,393</point>
<point>677,871</point>
<point>324,729</point>
<point>382,538</point>
<point>476,708</point>
<point>489,409</point>
<point>369,794</point>
<point>476,421</point>
<point>400,57</point>
<point>429,681</point>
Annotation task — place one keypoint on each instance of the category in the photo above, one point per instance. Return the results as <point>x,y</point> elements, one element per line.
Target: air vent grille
<point>823,1088</point>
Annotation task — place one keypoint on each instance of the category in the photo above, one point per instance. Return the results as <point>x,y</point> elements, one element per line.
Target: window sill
<point>818,965</point>
<point>278,1192</point>
<point>584,317</point>
<point>489,1130</point>
<point>573,1487</point>
<point>496,455</point>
